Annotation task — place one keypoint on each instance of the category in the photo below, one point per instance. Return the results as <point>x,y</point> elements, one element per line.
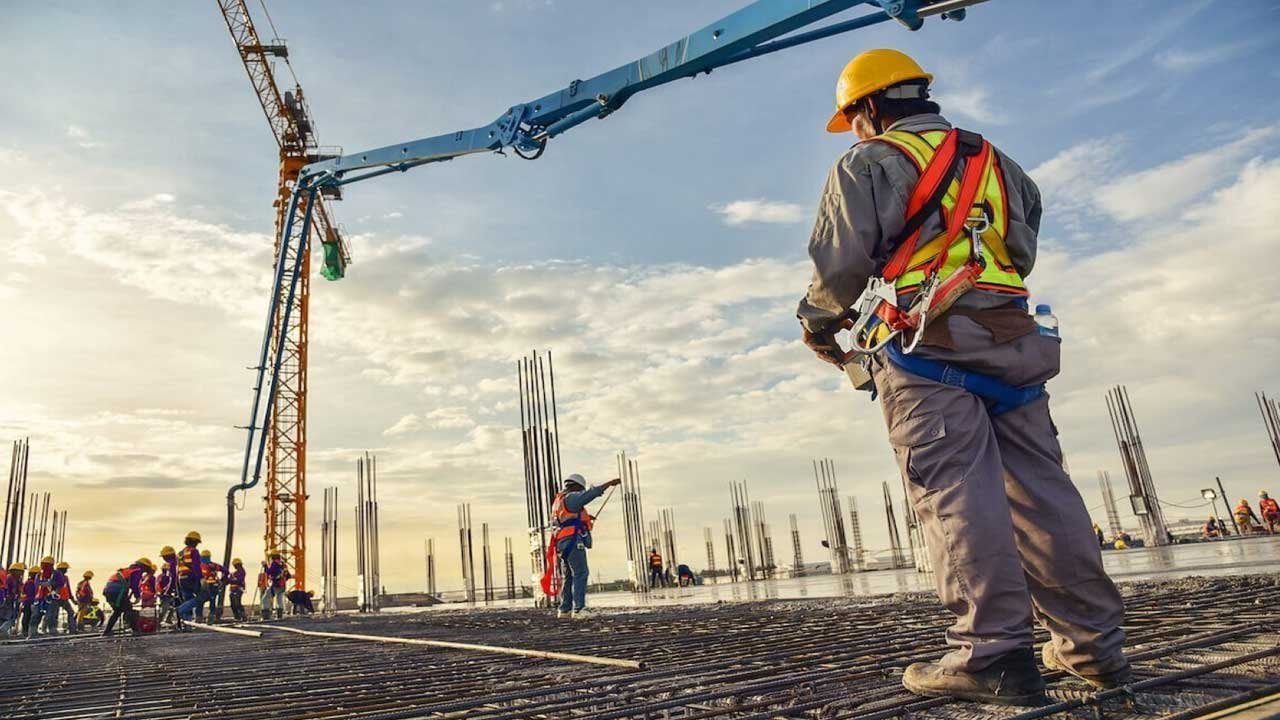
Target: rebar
<point>1143,497</point>
<point>1109,500</point>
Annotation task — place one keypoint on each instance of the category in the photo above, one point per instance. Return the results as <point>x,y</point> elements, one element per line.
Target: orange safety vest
<point>84,591</point>
<point>187,557</point>
<point>42,590</point>
<point>655,560</point>
<point>567,522</point>
<point>1268,506</point>
<point>123,575</point>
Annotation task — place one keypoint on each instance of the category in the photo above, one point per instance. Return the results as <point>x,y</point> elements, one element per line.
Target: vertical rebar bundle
<point>431,567</point>
<point>855,528</point>
<point>1109,500</point>
<point>668,537</point>
<point>509,558</point>
<point>915,533</point>
<point>633,524</point>
<point>797,557</point>
<point>1142,488</point>
<point>540,449</point>
<point>15,502</point>
<point>486,562</point>
<point>467,556</point>
<point>731,551</point>
<point>367,556</point>
<point>824,474</point>
<point>329,552</point>
<point>711,555</point>
<point>743,530</point>
<point>1270,410</point>
<point>895,541</point>
<point>39,526</point>
<point>764,539</point>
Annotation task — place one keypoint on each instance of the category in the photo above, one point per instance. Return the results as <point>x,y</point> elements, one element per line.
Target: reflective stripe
<point>999,274</point>
<point>567,522</point>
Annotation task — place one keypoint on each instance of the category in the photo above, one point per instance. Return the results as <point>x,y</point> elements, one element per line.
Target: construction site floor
<point>1199,646</point>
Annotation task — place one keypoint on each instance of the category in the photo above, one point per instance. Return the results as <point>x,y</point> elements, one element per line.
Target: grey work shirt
<point>863,207</point>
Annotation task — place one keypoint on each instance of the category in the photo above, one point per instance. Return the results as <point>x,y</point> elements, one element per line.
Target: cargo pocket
<point>916,445</point>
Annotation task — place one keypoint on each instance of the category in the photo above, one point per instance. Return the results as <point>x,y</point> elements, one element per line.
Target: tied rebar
<point>1142,488</point>
<point>540,451</point>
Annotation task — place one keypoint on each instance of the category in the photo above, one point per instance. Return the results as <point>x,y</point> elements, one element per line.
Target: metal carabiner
<point>923,301</point>
<point>877,291</point>
<point>976,227</point>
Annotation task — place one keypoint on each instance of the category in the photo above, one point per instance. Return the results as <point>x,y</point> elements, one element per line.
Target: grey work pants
<point>1007,532</point>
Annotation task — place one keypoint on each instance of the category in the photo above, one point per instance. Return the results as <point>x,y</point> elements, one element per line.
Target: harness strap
<point>999,396</point>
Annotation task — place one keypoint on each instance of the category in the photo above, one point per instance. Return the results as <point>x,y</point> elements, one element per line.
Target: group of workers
<point>186,586</point>
<point>661,575</point>
<point>1249,523</point>
<point>33,605</point>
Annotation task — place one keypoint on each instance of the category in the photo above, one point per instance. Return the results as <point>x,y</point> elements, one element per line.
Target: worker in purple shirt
<point>277,576</point>
<point>29,589</point>
<point>191,578</point>
<point>11,598</point>
<point>124,586</point>
<point>235,583</point>
<point>167,583</point>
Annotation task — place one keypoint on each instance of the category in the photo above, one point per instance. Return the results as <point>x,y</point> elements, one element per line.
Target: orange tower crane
<point>290,120</point>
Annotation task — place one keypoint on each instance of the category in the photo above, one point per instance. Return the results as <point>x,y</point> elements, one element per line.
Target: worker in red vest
<point>122,588</point>
<point>29,590</point>
<point>1270,511</point>
<point>1244,516</point>
<point>214,576</point>
<point>235,586</point>
<point>190,578</point>
<point>46,598</point>
<point>61,599</point>
<point>11,598</point>
<point>923,238</point>
<point>83,598</point>
<point>167,584</point>
<point>655,569</point>
<point>572,539</point>
<point>276,576</point>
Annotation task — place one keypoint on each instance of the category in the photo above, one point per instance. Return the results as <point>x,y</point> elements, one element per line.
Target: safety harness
<point>567,524</point>
<point>879,318</point>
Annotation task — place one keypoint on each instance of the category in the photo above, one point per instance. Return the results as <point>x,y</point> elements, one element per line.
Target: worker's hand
<point>614,482</point>
<point>824,345</point>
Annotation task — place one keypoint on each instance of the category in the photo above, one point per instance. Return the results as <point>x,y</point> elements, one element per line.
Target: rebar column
<point>1109,500</point>
<point>711,556</point>
<point>1143,497</point>
<point>797,556</point>
<point>855,527</point>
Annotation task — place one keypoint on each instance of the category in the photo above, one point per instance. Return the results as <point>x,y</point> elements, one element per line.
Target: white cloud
<point>973,102</point>
<point>1164,27</point>
<point>1181,59</point>
<point>407,424</point>
<point>81,138</point>
<point>740,212</point>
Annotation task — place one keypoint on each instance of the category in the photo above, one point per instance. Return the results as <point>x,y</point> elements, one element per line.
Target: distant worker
<point>1223,530</point>
<point>90,616</point>
<point>1122,541</point>
<point>1210,530</point>
<point>84,588</point>
<point>685,576</point>
<point>277,579</point>
<point>1097,531</point>
<point>29,590</point>
<point>301,602</point>
<point>1245,517</point>
<point>122,588</point>
<point>191,578</point>
<point>1270,511</point>
<point>655,569</point>
<point>62,597</point>
<point>11,598</point>
<point>235,586</point>
<point>167,584</point>
<point>214,576</point>
<point>572,539</point>
<point>917,207</point>
<point>45,603</point>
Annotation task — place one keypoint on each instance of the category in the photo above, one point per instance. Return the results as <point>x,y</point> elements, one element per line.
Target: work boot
<point>1012,680</point>
<point>1105,681</point>
<point>583,614</point>
<point>562,614</point>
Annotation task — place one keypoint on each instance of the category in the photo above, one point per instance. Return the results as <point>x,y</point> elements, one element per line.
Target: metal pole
<point>1222,494</point>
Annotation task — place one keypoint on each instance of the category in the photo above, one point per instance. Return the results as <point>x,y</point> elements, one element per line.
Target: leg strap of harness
<point>999,396</point>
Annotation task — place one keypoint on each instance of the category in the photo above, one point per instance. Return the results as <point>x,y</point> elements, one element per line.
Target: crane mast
<point>290,121</point>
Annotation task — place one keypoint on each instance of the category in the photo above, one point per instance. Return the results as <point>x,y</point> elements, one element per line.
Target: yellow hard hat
<point>46,560</point>
<point>206,554</point>
<point>167,550</point>
<point>64,565</point>
<point>870,72</point>
<point>146,563</point>
<point>1262,493</point>
<point>236,561</point>
<point>274,553</point>
<point>88,574</point>
<point>17,567</point>
<point>193,535</point>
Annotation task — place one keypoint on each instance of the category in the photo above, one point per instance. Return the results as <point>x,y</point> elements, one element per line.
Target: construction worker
<point>572,539</point>
<point>214,576</point>
<point>967,418</point>
<point>61,598</point>
<point>301,602</point>
<point>685,576</point>
<point>1270,511</point>
<point>84,596</point>
<point>45,597</point>
<point>166,584</point>
<point>235,583</point>
<point>90,615</point>
<point>1210,530</point>
<point>655,569</point>
<point>1097,532</point>
<point>122,588</point>
<point>11,598</point>
<point>190,578</point>
<point>1245,517</point>
<point>277,577</point>
<point>29,590</point>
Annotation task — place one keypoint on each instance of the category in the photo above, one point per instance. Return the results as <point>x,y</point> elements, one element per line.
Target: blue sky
<point>139,172</point>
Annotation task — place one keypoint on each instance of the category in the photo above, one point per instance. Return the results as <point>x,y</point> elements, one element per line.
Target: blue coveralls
<point>573,551</point>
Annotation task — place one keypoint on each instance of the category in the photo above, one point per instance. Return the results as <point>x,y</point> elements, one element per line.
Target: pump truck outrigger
<point>761,28</point>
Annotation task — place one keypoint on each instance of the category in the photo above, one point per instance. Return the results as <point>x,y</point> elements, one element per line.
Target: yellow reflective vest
<point>999,275</point>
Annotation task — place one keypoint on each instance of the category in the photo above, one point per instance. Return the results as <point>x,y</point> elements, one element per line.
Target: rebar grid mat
<point>1195,644</point>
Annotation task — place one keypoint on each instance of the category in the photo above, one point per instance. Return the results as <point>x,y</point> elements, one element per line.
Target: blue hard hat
<point>1043,310</point>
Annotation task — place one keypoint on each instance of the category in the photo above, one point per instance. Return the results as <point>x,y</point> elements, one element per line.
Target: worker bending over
<point>277,577</point>
<point>572,539</point>
<point>1245,517</point>
<point>1005,527</point>
<point>301,602</point>
<point>1270,511</point>
<point>122,588</point>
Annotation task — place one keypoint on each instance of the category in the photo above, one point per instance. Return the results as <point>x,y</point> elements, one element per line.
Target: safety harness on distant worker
<point>567,524</point>
<point>936,274</point>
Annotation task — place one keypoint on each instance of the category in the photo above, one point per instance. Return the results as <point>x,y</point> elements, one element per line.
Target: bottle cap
<point>1044,310</point>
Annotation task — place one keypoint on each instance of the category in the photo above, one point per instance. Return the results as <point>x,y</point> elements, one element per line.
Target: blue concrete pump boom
<point>760,28</point>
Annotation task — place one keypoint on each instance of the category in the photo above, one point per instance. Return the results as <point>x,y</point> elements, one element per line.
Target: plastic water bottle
<point>1047,321</point>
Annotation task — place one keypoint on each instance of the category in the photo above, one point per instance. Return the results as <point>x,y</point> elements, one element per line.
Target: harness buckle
<point>877,291</point>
